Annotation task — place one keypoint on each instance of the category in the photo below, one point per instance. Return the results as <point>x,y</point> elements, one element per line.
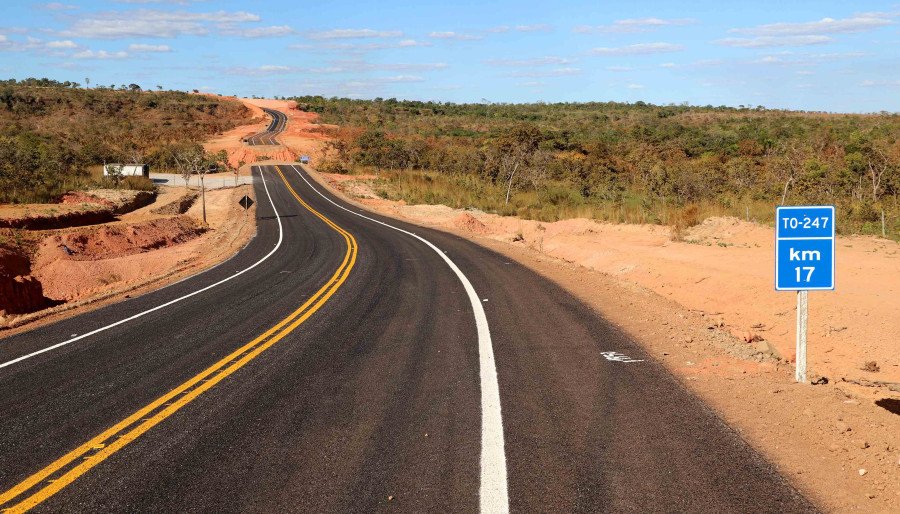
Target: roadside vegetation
<point>52,134</point>
<point>632,163</point>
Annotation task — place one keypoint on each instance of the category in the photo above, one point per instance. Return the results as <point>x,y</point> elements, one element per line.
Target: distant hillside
<point>612,161</point>
<point>51,132</point>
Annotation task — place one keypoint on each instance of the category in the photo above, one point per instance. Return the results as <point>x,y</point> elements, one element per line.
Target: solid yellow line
<point>288,324</point>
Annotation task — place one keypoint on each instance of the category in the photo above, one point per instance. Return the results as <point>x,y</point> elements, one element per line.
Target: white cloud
<point>259,32</point>
<point>668,65</point>
<point>556,72</point>
<point>880,83</point>
<point>57,6</point>
<point>635,86</point>
<point>409,43</point>
<point>788,58</point>
<point>639,49</point>
<point>769,41</point>
<point>100,54</point>
<point>499,30</point>
<point>859,23</point>
<point>149,48</point>
<point>361,47</point>
<point>354,34</point>
<point>454,36</point>
<point>402,78</point>
<point>535,61</point>
<point>539,27</point>
<point>178,2</point>
<point>61,45</point>
<point>362,66</point>
<point>619,68</point>
<point>634,25</point>
<point>153,23</point>
<point>259,71</point>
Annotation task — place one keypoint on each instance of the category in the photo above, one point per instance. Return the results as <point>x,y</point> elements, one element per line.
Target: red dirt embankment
<point>48,274</point>
<point>74,209</point>
<point>19,291</point>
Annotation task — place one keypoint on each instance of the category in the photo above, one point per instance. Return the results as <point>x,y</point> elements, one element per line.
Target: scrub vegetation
<point>633,163</point>
<point>52,133</point>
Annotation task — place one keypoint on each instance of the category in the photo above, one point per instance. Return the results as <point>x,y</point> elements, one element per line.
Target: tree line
<point>528,156</point>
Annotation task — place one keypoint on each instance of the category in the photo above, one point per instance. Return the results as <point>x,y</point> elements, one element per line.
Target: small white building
<point>128,170</point>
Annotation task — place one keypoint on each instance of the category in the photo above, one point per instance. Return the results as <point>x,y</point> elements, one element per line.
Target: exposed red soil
<point>109,241</point>
<point>19,291</point>
<point>76,197</point>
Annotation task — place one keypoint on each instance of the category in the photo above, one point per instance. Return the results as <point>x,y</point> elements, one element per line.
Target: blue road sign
<point>804,248</point>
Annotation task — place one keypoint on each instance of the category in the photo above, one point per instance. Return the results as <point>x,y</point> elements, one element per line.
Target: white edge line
<point>170,302</point>
<point>493,496</point>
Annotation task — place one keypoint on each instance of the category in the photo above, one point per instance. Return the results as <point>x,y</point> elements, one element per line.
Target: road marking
<point>619,357</point>
<point>493,496</point>
<point>69,467</point>
<point>158,307</point>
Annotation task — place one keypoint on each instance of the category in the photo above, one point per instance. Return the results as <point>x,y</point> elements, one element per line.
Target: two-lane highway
<point>276,126</point>
<point>348,362</point>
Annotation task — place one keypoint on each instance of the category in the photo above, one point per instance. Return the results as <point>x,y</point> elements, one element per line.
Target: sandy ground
<point>708,310</point>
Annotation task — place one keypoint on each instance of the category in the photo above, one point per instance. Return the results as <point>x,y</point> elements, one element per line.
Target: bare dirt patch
<point>707,309</point>
<point>85,267</point>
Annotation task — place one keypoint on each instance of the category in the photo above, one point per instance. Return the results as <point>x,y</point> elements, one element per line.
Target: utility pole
<point>203,196</point>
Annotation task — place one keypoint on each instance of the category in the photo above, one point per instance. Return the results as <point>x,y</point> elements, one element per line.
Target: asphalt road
<point>348,371</point>
<point>267,137</point>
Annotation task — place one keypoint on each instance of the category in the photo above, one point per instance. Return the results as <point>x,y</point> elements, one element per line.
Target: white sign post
<point>804,261</point>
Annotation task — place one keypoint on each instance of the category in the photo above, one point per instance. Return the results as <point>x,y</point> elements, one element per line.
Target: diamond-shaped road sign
<point>245,202</point>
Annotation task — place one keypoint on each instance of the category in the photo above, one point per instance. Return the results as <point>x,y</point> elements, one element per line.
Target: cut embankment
<point>48,274</point>
<point>75,265</point>
<point>75,209</point>
<point>20,292</point>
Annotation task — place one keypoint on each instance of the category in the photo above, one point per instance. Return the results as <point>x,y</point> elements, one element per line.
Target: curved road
<point>347,371</point>
<point>277,126</point>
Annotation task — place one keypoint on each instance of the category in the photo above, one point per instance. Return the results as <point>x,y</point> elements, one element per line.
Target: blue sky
<point>798,54</point>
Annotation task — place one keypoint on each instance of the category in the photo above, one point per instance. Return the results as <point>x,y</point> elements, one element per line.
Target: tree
<point>193,161</point>
<point>114,171</point>
<point>517,148</point>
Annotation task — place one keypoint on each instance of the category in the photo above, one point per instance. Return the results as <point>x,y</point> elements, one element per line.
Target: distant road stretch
<point>279,122</point>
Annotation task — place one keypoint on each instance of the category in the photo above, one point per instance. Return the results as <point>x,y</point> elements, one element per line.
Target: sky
<point>821,55</point>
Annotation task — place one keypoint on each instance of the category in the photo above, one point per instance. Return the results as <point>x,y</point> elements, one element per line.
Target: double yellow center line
<point>65,470</point>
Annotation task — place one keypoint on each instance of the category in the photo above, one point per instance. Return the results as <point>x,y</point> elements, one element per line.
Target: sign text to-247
<point>804,248</point>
